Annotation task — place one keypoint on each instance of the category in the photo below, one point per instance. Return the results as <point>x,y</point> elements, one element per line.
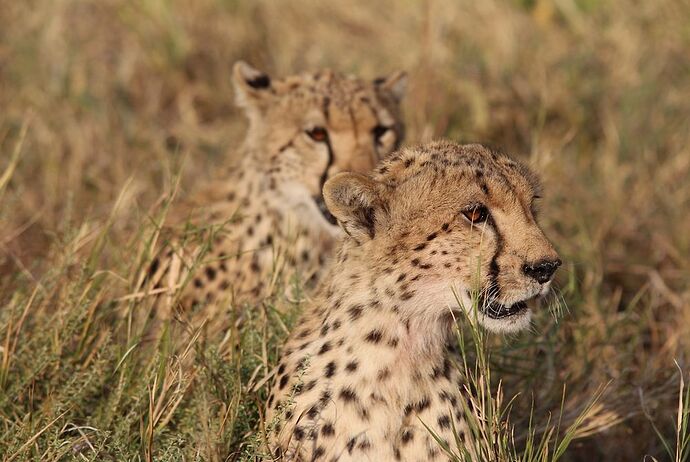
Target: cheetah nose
<point>542,271</point>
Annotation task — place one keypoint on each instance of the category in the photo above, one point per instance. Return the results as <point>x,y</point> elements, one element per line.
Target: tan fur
<point>262,217</point>
<point>369,361</point>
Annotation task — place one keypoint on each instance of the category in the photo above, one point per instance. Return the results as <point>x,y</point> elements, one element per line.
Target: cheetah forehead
<point>340,89</point>
<point>444,157</point>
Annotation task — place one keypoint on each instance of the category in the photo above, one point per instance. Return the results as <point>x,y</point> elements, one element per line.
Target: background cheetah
<point>370,360</point>
<point>266,216</point>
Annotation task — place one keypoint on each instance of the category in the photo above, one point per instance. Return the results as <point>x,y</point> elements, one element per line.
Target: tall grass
<point>101,101</point>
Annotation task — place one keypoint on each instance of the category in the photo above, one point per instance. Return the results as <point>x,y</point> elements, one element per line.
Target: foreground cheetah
<point>267,214</point>
<point>370,361</point>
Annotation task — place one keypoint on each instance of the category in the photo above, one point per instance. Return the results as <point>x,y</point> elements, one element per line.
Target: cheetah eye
<point>476,214</point>
<point>318,134</point>
<point>379,130</point>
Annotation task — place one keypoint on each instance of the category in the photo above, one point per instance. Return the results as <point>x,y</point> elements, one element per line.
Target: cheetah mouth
<point>496,310</point>
<point>324,210</point>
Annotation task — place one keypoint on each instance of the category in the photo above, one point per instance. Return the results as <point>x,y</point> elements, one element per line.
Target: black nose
<point>542,270</point>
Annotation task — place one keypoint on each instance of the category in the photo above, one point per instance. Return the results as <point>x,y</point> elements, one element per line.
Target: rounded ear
<point>251,85</point>
<point>395,84</point>
<point>354,200</point>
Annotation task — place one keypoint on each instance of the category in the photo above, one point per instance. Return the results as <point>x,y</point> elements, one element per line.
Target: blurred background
<point>103,101</point>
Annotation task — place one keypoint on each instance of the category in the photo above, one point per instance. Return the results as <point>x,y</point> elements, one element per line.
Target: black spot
<point>336,324</point>
<point>324,330</point>
<point>326,347</point>
<point>327,429</point>
<point>408,409</point>
<point>418,407</point>
<point>351,445</point>
<point>364,445</point>
<point>330,369</point>
<point>304,333</point>
<point>313,412</point>
<point>348,395</point>
<point>426,266</point>
<point>383,374</point>
<point>421,246</point>
<point>281,368</point>
<point>302,363</point>
<point>423,404</point>
<point>278,453</point>
<point>445,226</point>
<point>325,397</point>
<point>407,295</point>
<point>443,370</point>
<point>283,381</point>
<point>260,81</point>
<point>407,436</point>
<point>198,283</point>
<point>431,237</point>
<point>401,277</point>
<point>445,396</point>
<point>299,433</point>
<point>415,262</point>
<point>374,336</point>
<point>444,421</point>
<point>310,385</point>
<point>355,312</point>
<point>351,366</point>
<point>408,162</point>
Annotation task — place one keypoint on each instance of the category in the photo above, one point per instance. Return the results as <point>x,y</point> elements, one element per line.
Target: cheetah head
<point>450,223</point>
<point>312,126</point>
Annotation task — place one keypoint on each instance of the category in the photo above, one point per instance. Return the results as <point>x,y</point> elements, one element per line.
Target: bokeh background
<point>104,102</point>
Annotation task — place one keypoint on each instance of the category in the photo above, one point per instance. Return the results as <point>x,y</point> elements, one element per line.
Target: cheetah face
<point>316,125</point>
<point>451,223</point>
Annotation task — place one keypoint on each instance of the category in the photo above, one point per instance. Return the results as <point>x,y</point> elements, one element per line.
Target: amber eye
<point>476,214</point>
<point>379,130</point>
<point>318,134</point>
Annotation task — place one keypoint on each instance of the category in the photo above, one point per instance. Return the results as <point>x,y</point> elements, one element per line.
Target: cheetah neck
<point>372,317</point>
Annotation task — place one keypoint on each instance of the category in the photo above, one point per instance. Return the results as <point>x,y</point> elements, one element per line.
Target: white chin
<point>515,323</point>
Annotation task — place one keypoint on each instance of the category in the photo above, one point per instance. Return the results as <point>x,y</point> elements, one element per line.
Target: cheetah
<point>371,360</point>
<point>266,215</point>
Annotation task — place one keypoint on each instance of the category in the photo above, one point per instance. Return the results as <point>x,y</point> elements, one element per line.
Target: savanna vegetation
<point>112,110</point>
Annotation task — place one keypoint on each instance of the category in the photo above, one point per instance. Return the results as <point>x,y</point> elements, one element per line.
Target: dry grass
<point>102,102</point>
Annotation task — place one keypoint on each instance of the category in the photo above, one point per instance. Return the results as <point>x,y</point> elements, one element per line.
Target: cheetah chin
<point>502,318</point>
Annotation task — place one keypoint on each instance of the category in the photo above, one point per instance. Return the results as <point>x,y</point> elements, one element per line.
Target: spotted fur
<point>266,216</point>
<point>369,363</point>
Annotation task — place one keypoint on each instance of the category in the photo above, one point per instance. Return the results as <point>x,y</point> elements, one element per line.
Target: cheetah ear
<point>251,85</point>
<point>353,199</point>
<point>395,84</point>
